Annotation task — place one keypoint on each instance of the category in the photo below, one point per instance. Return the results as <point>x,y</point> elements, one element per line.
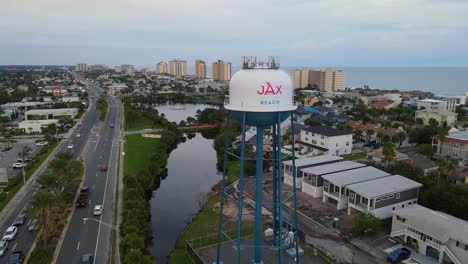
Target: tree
<point>366,224</point>
<point>8,138</point>
<point>41,204</point>
<point>380,137</point>
<point>433,123</point>
<point>401,137</point>
<point>452,166</point>
<point>370,133</point>
<point>312,121</point>
<point>395,139</point>
<point>425,149</point>
<point>388,151</point>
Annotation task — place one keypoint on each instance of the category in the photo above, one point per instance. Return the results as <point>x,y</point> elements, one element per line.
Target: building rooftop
<point>422,162</point>
<point>431,100</point>
<point>439,225</point>
<point>333,167</point>
<point>327,131</point>
<point>381,104</point>
<point>439,112</point>
<point>45,111</point>
<point>313,160</point>
<point>385,185</point>
<point>462,135</point>
<point>348,177</point>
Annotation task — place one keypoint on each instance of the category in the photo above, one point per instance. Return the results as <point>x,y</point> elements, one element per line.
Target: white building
<point>35,126</point>
<point>289,170</point>
<point>438,105</point>
<point>70,99</point>
<point>320,140</point>
<point>45,114</point>
<point>432,233</point>
<point>382,196</point>
<point>335,184</point>
<point>312,181</point>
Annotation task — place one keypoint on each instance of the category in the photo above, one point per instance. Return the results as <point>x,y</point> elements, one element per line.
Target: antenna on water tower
<point>260,96</point>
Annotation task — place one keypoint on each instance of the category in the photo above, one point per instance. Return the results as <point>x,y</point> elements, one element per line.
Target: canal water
<point>191,173</point>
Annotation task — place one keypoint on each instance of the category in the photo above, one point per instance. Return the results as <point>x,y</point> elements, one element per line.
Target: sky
<point>301,32</point>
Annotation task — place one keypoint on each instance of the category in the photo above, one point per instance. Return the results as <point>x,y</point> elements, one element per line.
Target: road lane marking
<point>93,187</point>
<point>89,202</point>
<point>13,249</point>
<point>78,246</point>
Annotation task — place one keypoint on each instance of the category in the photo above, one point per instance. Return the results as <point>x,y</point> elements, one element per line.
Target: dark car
<point>16,257</point>
<point>20,220</point>
<point>399,255</point>
<point>103,168</point>
<point>83,197</point>
<point>87,259</point>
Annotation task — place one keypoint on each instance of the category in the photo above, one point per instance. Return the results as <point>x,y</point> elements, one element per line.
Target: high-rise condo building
<point>161,68</point>
<point>221,70</point>
<point>81,67</point>
<point>325,79</point>
<point>177,67</point>
<point>300,77</point>
<point>128,68</point>
<point>200,69</point>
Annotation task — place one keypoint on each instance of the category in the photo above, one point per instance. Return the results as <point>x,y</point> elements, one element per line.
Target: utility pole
<point>22,166</point>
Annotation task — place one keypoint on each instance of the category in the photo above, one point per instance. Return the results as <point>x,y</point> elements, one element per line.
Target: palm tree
<point>401,136</point>
<point>370,132</point>
<point>388,151</point>
<point>41,204</point>
<point>8,137</point>
<point>452,166</point>
<point>395,139</point>
<point>380,136</point>
<point>442,167</point>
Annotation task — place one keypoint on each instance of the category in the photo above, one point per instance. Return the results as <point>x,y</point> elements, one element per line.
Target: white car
<point>78,135</point>
<point>97,210</point>
<point>18,165</point>
<point>3,247</point>
<point>42,143</point>
<point>10,233</point>
<point>70,146</point>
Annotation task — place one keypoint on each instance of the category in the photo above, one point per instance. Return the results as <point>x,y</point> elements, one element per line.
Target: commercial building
<point>335,184</point>
<point>438,105</point>
<point>382,196</point>
<point>55,90</point>
<point>312,181</point>
<point>200,69</point>
<point>300,77</point>
<point>46,114</point>
<point>221,71</point>
<point>177,68</point>
<point>128,68</point>
<point>454,146</point>
<point>81,67</point>
<point>441,116</point>
<point>319,140</point>
<point>162,68</point>
<point>434,234</point>
<point>35,126</point>
<point>304,163</point>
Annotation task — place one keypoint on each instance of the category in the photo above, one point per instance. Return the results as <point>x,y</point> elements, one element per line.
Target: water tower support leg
<point>240,205</point>
<point>296,231</point>
<point>259,196</point>
<point>274,175</point>
<point>280,199</point>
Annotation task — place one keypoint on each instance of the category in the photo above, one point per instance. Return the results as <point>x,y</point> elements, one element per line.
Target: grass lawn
<point>17,182</point>
<point>135,120</point>
<point>354,156</point>
<point>138,152</point>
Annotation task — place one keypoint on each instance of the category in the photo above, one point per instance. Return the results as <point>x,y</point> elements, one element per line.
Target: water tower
<point>260,97</point>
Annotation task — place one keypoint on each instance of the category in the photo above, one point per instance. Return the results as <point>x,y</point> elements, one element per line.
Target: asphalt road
<point>24,239</point>
<point>94,235</point>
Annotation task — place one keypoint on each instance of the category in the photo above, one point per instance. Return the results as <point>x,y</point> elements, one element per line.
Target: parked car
<point>20,220</point>
<point>16,257</point>
<point>97,210</point>
<point>10,233</point>
<point>70,146</point>
<point>398,255</point>
<point>26,160</point>
<point>87,259</point>
<point>33,225</point>
<point>18,165</point>
<point>103,168</point>
<point>3,247</point>
<point>42,143</point>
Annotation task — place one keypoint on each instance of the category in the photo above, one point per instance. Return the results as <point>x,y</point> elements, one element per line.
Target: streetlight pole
<point>102,223</point>
<point>22,166</point>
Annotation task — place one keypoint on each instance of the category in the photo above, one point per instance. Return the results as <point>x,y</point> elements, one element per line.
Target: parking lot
<point>7,158</point>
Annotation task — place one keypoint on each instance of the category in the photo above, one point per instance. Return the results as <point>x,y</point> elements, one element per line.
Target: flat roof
<point>313,160</point>
<point>42,122</point>
<point>431,100</point>
<point>354,176</point>
<point>381,186</point>
<point>463,135</point>
<point>438,225</point>
<point>333,167</point>
<point>42,111</point>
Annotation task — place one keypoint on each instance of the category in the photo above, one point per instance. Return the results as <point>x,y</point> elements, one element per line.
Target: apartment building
<point>312,181</point>
<point>319,140</point>
<point>434,234</point>
<point>127,68</point>
<point>327,79</point>
<point>453,146</point>
<point>162,68</point>
<point>200,69</point>
<point>300,78</point>
<point>447,104</point>
<point>382,196</point>
<point>441,116</point>
<point>81,67</point>
<point>335,185</point>
<point>221,70</point>
<point>177,68</point>
<point>289,170</point>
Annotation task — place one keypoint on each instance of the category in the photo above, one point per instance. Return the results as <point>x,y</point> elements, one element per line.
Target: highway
<point>94,236</point>
<point>24,239</point>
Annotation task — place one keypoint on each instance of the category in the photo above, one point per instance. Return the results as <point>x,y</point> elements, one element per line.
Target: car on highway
<point>18,165</point>
<point>33,225</point>
<point>16,257</point>
<point>70,146</point>
<point>80,124</point>
<point>398,255</point>
<point>20,220</point>
<point>103,168</point>
<point>42,143</point>
<point>97,210</point>
<point>10,233</point>
<point>111,125</point>
<point>87,259</point>
<point>3,247</point>
<point>83,197</point>
<point>78,135</point>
